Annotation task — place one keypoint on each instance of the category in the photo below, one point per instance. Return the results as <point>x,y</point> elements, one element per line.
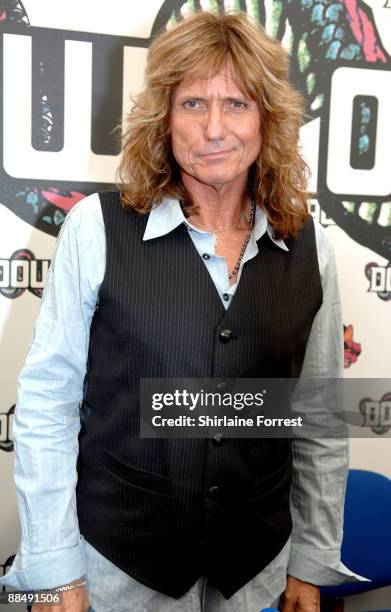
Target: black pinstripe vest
<point>166,511</point>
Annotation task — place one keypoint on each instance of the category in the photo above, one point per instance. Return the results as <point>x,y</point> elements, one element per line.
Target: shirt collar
<point>166,216</point>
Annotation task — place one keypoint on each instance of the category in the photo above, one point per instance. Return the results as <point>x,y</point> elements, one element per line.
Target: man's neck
<point>219,205</point>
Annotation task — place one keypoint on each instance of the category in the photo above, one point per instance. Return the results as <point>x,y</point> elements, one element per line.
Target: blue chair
<point>366,545</point>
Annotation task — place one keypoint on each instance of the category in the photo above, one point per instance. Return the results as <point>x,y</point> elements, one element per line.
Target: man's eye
<point>238,104</point>
<point>191,104</point>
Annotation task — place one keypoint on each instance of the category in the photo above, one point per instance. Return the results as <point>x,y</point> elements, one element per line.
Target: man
<point>205,263</point>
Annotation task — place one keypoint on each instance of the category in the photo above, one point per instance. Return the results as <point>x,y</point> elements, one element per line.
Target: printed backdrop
<point>68,71</point>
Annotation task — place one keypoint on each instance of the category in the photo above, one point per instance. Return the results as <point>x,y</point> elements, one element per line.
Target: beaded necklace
<point>234,271</point>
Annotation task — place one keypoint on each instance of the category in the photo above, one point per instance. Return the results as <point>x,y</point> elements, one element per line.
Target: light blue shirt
<point>50,387</point>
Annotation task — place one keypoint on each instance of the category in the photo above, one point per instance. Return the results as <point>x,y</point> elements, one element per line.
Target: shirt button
<point>225,296</point>
<point>225,335</point>
<point>217,439</point>
<point>206,256</point>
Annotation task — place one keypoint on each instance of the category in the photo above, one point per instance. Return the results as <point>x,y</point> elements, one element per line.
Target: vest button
<point>217,439</point>
<point>206,256</point>
<point>225,335</point>
<point>213,490</point>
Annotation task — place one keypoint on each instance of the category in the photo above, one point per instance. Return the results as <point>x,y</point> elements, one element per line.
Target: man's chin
<point>214,179</point>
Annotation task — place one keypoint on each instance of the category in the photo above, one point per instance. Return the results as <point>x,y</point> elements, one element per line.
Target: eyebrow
<point>201,99</point>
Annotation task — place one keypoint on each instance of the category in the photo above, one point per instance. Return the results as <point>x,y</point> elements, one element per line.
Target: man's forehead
<point>222,82</point>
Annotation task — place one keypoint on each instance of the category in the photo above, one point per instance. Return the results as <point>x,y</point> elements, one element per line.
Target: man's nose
<point>215,122</point>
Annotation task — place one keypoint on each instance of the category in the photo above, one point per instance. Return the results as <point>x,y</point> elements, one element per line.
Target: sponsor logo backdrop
<point>67,72</point>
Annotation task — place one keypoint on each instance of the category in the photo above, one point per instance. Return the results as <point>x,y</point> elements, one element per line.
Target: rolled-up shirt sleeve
<point>47,415</point>
<point>321,464</point>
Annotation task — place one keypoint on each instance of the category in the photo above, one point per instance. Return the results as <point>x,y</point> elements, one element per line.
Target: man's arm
<point>320,465</point>
<point>47,420</point>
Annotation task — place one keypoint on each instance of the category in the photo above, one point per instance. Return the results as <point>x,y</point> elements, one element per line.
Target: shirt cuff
<point>32,571</point>
<point>322,568</point>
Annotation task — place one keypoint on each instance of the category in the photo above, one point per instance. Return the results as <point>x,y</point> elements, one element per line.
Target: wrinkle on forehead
<point>198,77</point>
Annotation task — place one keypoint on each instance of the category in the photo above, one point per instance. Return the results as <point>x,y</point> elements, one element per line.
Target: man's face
<point>215,129</point>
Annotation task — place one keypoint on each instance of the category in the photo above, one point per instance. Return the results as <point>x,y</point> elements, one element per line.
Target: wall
<point>68,71</point>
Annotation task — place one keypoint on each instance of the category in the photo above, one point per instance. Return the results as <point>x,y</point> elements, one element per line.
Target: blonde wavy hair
<point>200,46</point>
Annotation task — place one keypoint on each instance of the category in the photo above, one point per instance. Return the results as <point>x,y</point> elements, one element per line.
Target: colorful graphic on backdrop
<point>6,419</point>
<point>352,349</point>
<point>379,280</point>
<point>321,37</point>
<point>22,271</point>
<point>376,413</point>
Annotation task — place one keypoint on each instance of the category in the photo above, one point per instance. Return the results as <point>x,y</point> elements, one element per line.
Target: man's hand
<point>300,596</point>
<point>75,600</point>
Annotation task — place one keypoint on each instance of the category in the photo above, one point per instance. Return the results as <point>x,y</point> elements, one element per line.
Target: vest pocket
<point>156,483</point>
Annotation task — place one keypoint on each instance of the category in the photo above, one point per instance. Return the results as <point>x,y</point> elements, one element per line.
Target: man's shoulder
<point>304,235</point>
<point>320,238</point>
<point>323,241</point>
<point>92,209</point>
<point>87,206</point>
<point>85,217</point>
<point>109,196</point>
<point>112,204</point>
<point>314,229</point>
